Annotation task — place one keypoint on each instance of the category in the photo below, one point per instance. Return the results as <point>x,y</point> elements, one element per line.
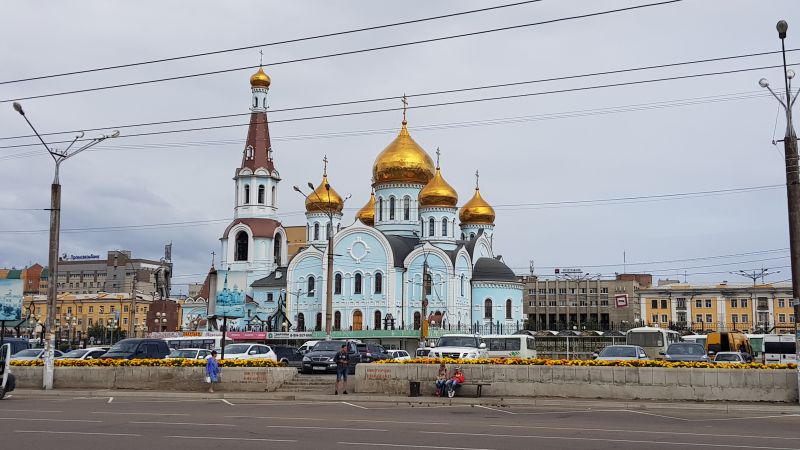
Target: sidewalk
<point>417,401</point>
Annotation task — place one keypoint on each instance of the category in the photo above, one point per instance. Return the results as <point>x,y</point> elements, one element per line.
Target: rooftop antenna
<point>624,262</point>
<point>755,274</point>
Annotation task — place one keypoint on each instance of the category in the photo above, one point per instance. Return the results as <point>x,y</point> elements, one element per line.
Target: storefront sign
<point>247,335</point>
<point>66,257</point>
<point>11,300</point>
<point>568,271</point>
<point>289,335</point>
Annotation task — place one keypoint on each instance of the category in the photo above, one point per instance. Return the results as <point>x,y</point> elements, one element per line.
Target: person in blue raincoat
<point>212,371</point>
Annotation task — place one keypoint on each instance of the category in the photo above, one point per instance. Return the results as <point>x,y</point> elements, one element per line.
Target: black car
<point>685,351</point>
<point>320,358</point>
<point>372,352</point>
<point>289,355</point>
<point>138,348</point>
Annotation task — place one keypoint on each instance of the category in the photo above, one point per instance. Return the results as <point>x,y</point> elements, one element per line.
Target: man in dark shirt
<point>342,360</point>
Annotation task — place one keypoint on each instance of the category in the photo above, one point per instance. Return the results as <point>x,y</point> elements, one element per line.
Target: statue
<point>163,279</point>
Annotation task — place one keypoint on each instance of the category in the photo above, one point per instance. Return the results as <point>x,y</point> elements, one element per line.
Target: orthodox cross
<point>477,176</point>
<point>325,170</point>
<point>261,58</point>
<point>405,106</point>
<point>438,154</point>
<point>213,254</point>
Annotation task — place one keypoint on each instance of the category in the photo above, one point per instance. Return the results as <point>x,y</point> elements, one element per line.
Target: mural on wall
<point>231,297</point>
<point>11,300</point>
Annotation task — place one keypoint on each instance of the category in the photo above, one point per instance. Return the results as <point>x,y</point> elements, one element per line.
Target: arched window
<point>318,326</point>
<point>462,285</point>
<point>337,284</point>
<point>428,283</point>
<point>421,227</point>
<point>358,320</point>
<point>274,196</point>
<point>242,242</point>
<point>407,208</point>
<point>337,321</point>
<point>453,228</point>
<point>246,194</point>
<point>277,249</point>
<point>444,227</point>
<point>471,236</point>
<point>308,231</point>
<point>377,320</point>
<point>508,309</point>
<point>301,322</point>
<point>255,102</point>
<point>357,284</point>
<point>261,192</point>
<point>431,227</point>
<point>311,286</point>
<point>338,227</point>
<point>378,283</point>
<point>487,309</point>
<point>391,208</point>
<point>316,231</point>
<point>380,208</point>
<point>328,230</point>
<point>417,320</point>
<point>265,102</point>
<point>463,237</point>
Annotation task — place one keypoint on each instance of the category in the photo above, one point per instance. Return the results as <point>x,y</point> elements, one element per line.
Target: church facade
<point>409,242</point>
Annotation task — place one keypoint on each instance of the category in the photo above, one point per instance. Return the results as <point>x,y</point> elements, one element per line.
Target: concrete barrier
<point>241,379</point>
<point>618,383</point>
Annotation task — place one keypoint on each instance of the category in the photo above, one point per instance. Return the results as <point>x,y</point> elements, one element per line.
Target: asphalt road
<point>157,423</point>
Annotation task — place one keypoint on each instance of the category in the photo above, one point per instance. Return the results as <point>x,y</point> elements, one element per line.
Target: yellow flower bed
<point>590,362</point>
<point>177,362</point>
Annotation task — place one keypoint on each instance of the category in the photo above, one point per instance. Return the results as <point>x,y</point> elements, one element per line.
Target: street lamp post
<point>55,228</point>
<point>792,180</point>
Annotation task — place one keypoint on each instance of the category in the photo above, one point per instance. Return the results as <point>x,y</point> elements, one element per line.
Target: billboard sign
<point>11,300</point>
<point>230,299</point>
<point>560,271</point>
<point>621,300</point>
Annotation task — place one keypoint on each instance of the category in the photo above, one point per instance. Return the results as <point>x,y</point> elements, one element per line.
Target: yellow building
<point>722,307</point>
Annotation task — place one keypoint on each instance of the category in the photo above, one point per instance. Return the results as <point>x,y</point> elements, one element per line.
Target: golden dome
<point>438,193</point>
<point>367,214</point>
<point>403,160</point>
<point>476,211</point>
<point>260,79</point>
<point>324,200</point>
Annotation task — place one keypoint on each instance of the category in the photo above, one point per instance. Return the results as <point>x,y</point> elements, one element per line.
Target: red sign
<point>247,335</point>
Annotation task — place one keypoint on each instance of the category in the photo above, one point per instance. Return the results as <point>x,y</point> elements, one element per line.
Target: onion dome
<point>438,192</point>
<point>476,211</point>
<point>367,214</point>
<point>324,198</point>
<point>260,79</point>
<point>403,160</point>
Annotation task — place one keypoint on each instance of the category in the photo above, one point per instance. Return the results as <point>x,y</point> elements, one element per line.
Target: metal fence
<point>573,347</point>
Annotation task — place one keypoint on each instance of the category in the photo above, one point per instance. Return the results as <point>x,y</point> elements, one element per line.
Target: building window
<point>487,309</point>
<point>378,283</point>
<point>407,208</point>
<point>782,318</point>
<point>663,304</point>
<point>427,283</point>
<point>735,318</point>
<point>709,318</point>
<point>274,196</point>
<point>90,321</point>
<point>462,285</point>
<point>357,284</point>
<point>301,322</point>
<point>328,230</point>
<point>241,246</point>
<point>654,318</point>
<point>745,318</point>
<point>562,290</point>
<point>377,320</point>
<point>337,284</point>
<point>337,321</point>
<point>681,303</point>
<point>391,208</point>
<point>604,290</point>
<point>781,303</point>
<point>698,318</point>
<point>316,231</point>
<point>654,304</point>
<point>444,227</point>
<point>318,325</point>
<point>310,287</point>
<point>744,303</point>
<point>508,309</point>
<point>417,320</point>
<point>380,208</point>
<point>270,298</point>
<point>664,318</point>
<point>277,249</point>
<point>246,194</point>
<point>698,303</point>
<point>91,310</point>
<point>422,227</point>
<point>734,303</point>
<point>431,227</point>
<point>261,192</point>
<point>708,303</point>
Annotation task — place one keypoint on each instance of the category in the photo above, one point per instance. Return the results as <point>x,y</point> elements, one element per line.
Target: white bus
<point>696,338</point>
<point>779,349</point>
<point>653,340</point>
<point>510,346</point>
<point>206,342</point>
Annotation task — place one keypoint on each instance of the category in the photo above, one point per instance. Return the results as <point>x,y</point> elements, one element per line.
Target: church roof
<point>470,244</point>
<point>490,269</point>
<point>258,138</point>
<point>276,279</point>
<point>260,227</point>
<point>401,247</point>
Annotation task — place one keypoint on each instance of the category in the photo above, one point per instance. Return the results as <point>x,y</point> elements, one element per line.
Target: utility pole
<point>55,228</point>
<point>426,284</point>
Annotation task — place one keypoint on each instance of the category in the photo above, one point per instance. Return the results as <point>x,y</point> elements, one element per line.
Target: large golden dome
<point>367,214</point>
<point>260,79</point>
<point>324,200</point>
<point>403,160</point>
<point>476,211</point>
<point>438,193</point>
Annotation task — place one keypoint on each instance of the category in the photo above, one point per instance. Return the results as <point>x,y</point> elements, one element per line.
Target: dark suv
<point>371,352</point>
<point>320,358</point>
<point>137,348</point>
<point>288,355</point>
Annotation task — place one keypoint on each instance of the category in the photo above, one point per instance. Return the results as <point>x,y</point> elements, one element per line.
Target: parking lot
<point>134,422</point>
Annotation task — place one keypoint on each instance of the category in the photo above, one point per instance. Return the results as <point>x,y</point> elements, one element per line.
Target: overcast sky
<point>561,147</point>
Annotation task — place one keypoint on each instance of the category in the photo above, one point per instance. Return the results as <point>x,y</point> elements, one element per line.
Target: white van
<point>779,349</point>
<point>306,347</point>
<point>510,346</point>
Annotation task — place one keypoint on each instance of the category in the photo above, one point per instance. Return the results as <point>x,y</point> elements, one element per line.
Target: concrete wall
<point>250,379</point>
<point>623,383</point>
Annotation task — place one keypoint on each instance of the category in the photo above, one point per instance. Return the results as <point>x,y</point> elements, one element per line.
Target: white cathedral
<point>411,221</point>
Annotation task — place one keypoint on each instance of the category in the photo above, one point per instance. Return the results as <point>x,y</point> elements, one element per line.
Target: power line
<point>671,261</point>
<point>269,44</point>
<point>351,52</point>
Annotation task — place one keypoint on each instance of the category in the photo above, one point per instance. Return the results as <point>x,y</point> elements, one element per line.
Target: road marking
<point>50,420</point>
<point>628,441</point>
<point>34,410</point>
<point>748,418</point>
<point>411,446</point>
<point>231,438</point>
<point>273,418</point>
<point>495,409</point>
<point>188,423</point>
<point>140,413</point>
<point>85,433</point>
<point>393,421</point>
<point>325,428</point>
<point>226,401</point>
<point>110,399</point>
<point>614,430</point>
<point>355,406</point>
<point>633,411</point>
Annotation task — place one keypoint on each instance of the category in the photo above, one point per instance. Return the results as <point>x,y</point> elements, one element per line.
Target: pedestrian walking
<point>212,371</point>
<point>342,360</point>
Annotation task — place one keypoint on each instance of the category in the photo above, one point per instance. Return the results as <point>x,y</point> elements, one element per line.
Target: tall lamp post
<point>55,228</point>
<point>792,180</point>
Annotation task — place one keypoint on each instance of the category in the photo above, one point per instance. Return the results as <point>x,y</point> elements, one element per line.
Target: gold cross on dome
<point>261,58</point>
<point>405,106</point>
<point>477,177</point>
<point>438,154</point>
<point>325,170</point>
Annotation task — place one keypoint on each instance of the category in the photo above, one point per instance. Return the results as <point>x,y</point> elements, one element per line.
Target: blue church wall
<point>498,293</point>
<point>439,268</point>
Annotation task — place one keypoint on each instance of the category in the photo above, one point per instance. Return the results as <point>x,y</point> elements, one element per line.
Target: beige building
<point>119,272</point>
<point>722,307</point>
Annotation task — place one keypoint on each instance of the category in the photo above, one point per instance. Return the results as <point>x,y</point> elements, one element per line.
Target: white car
<point>459,346</point>
<point>732,357</point>
<point>86,353</point>
<point>398,355</point>
<point>249,351</point>
<point>32,354</point>
<point>621,353</point>
<point>306,347</point>
<point>189,353</point>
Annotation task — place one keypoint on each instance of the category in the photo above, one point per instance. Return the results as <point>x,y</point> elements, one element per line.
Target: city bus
<point>510,346</point>
<point>696,338</point>
<point>780,349</point>
<point>653,340</point>
<point>206,342</point>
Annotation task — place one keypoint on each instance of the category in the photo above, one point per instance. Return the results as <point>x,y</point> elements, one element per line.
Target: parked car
<point>685,351</point>
<point>190,353</point>
<point>459,346</point>
<point>621,353</point>
<point>249,351</point>
<point>371,352</point>
<point>289,355</point>
<point>86,353</point>
<point>733,357</point>
<point>320,358</point>
<point>399,355</point>
<point>306,347</point>
<point>138,348</point>
<point>422,352</point>
<point>32,354</point>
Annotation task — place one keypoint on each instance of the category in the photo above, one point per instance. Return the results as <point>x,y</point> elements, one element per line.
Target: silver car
<point>32,354</point>
<point>621,353</point>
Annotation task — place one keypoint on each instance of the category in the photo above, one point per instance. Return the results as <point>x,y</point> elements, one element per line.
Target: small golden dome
<point>403,160</point>
<point>324,200</point>
<point>260,79</point>
<point>476,211</point>
<point>438,193</point>
<point>367,214</point>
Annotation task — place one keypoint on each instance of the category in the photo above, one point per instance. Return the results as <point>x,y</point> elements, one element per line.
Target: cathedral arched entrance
<point>358,320</point>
